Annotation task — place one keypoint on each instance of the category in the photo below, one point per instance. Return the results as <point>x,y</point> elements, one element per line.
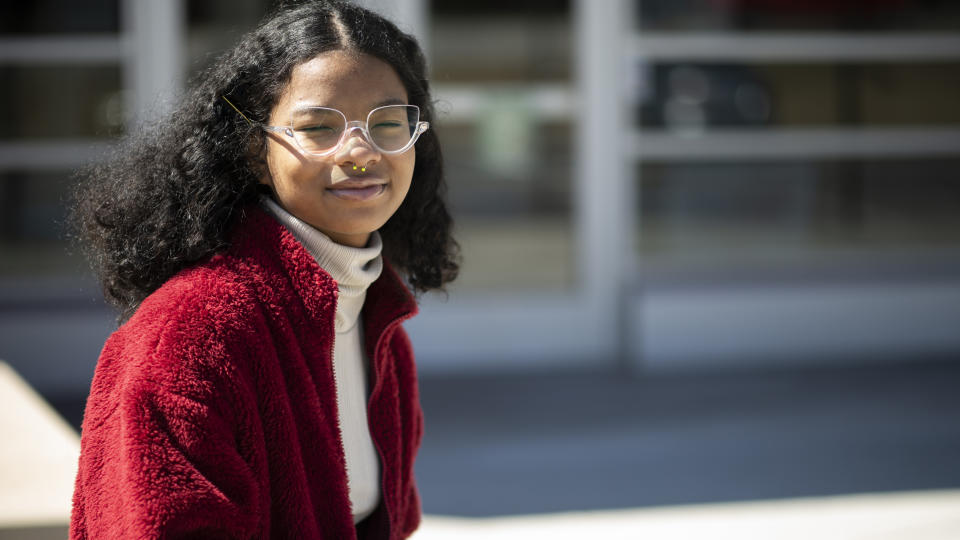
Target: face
<point>333,193</point>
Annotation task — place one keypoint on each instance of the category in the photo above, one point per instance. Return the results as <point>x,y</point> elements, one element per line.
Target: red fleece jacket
<point>212,412</point>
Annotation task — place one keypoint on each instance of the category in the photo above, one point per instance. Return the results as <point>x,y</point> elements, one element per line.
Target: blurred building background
<point>649,187</point>
<point>644,186</point>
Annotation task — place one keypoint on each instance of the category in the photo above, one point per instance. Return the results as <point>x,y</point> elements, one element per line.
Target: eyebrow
<point>388,101</point>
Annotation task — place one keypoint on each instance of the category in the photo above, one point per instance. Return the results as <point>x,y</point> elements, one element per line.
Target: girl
<point>261,384</point>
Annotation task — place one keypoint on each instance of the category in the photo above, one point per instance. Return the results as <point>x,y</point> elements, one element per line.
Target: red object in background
<point>811,6</point>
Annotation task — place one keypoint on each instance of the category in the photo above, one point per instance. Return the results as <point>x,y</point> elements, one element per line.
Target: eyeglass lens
<point>391,128</point>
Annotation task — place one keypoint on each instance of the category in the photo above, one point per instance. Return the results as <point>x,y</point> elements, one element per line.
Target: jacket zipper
<point>336,395</point>
<point>376,445</point>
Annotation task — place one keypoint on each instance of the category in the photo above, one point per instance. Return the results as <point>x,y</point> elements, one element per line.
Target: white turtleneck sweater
<point>354,269</point>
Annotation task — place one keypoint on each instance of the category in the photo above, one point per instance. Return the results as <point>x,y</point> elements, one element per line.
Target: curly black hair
<point>168,195</point>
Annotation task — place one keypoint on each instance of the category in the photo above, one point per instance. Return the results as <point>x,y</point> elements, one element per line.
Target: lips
<point>357,190</point>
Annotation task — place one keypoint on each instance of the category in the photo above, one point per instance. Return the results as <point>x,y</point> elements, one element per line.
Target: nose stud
<point>362,169</point>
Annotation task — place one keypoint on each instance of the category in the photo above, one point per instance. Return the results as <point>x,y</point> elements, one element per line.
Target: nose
<point>357,148</point>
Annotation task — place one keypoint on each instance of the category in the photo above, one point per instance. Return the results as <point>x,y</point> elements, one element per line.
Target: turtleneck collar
<point>354,269</point>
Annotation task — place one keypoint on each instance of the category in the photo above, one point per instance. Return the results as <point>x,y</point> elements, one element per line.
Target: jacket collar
<point>259,239</point>
<point>399,305</point>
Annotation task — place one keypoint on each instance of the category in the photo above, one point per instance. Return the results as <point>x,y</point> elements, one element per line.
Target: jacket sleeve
<point>161,455</point>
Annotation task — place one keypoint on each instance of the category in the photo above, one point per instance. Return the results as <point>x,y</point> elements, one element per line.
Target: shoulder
<point>206,296</point>
<point>190,342</point>
<point>198,321</point>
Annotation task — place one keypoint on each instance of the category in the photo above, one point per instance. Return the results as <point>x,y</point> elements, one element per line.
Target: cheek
<point>285,170</point>
<point>403,185</point>
<point>409,164</point>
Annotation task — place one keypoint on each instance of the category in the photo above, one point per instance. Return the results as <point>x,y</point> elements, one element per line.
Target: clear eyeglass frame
<point>418,127</point>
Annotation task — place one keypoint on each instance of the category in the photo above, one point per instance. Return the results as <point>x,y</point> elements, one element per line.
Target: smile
<point>357,191</point>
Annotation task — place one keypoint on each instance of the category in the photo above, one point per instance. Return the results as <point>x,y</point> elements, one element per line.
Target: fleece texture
<point>213,413</point>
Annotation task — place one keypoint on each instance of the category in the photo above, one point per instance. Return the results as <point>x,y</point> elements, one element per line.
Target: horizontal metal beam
<point>460,102</point>
<point>75,49</point>
<point>52,155</point>
<point>752,144</point>
<point>794,47</point>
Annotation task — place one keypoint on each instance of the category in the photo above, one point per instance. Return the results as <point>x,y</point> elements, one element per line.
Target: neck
<point>353,268</point>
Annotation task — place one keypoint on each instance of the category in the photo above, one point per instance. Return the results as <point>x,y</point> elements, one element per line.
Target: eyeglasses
<point>321,131</point>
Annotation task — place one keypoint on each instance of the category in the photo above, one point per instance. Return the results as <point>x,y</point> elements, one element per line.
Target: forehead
<point>351,82</point>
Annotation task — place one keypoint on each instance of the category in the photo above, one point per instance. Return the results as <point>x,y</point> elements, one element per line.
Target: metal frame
<point>581,327</point>
<point>50,156</point>
<point>149,51</point>
<point>548,101</point>
<point>778,324</point>
<point>149,48</point>
<point>793,47</point>
<point>792,143</point>
<point>153,34</point>
<point>77,49</point>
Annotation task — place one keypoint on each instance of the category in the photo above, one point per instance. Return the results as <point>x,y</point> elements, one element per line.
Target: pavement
<point>907,515</point>
<point>839,453</point>
<point>546,443</point>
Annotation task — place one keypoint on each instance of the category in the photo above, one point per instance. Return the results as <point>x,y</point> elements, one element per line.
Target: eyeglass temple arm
<point>234,107</point>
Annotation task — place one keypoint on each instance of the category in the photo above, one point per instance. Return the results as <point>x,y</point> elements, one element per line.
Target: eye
<point>317,129</point>
<point>387,124</point>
